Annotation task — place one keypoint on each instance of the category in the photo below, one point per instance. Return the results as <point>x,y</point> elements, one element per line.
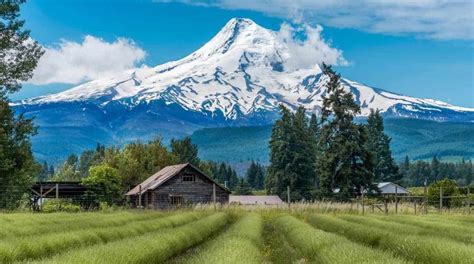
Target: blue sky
<point>422,62</point>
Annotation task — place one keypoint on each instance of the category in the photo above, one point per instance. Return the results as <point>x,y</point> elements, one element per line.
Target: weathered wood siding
<point>198,191</point>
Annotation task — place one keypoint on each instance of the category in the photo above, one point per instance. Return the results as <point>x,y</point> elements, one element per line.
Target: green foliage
<point>385,168</point>
<point>15,43</point>
<point>292,156</point>
<point>418,139</point>
<point>185,150</point>
<point>103,185</point>
<point>137,161</point>
<point>449,188</point>
<point>345,163</point>
<point>222,172</point>
<point>243,188</point>
<point>17,165</point>
<point>54,205</point>
<point>256,175</point>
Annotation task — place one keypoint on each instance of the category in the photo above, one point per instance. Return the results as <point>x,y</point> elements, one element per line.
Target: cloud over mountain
<point>73,62</point>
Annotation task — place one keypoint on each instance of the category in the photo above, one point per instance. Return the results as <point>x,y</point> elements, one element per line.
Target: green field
<point>235,235</point>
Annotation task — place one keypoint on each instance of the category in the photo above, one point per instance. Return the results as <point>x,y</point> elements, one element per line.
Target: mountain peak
<point>244,71</point>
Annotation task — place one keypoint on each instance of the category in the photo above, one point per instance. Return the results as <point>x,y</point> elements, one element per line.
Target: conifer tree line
<point>329,155</point>
<point>414,173</point>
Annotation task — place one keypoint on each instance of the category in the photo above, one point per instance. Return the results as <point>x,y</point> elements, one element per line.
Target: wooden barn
<point>175,186</point>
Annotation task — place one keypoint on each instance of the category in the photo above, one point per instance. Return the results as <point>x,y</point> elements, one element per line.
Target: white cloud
<point>73,62</point>
<point>435,19</point>
<point>313,49</point>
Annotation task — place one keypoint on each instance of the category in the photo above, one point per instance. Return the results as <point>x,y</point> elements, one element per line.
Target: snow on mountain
<point>240,72</point>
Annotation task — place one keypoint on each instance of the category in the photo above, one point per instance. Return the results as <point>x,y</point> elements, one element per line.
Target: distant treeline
<point>414,173</point>
<point>128,166</point>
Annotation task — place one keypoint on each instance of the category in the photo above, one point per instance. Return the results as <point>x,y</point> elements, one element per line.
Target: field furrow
<point>411,227</point>
<point>411,247</point>
<point>55,243</point>
<point>322,247</point>
<point>241,243</point>
<point>60,225</point>
<point>154,247</point>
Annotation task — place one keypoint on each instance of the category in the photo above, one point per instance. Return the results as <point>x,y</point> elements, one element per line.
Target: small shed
<point>392,188</point>
<point>177,185</point>
<point>255,199</point>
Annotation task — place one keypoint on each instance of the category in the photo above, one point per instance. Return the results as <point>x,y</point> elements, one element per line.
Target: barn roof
<point>163,175</point>
<point>255,199</point>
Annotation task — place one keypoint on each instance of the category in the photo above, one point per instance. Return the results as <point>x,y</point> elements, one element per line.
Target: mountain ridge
<point>239,78</point>
<point>243,70</point>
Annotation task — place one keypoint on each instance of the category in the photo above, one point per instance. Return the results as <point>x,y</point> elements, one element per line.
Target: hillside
<point>419,139</point>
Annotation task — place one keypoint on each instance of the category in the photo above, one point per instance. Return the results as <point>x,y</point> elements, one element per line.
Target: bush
<point>55,205</point>
<point>450,188</point>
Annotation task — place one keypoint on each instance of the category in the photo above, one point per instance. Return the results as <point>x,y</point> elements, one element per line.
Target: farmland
<point>235,235</point>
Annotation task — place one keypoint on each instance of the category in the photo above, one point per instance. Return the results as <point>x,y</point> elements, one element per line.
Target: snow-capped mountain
<point>238,78</point>
<point>240,73</point>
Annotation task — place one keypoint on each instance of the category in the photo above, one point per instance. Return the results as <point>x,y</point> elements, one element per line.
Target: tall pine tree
<point>385,168</point>
<point>185,150</point>
<point>18,58</point>
<point>292,159</point>
<point>346,163</point>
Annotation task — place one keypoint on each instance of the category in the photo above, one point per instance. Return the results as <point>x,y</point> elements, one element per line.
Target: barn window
<point>176,200</point>
<point>188,178</point>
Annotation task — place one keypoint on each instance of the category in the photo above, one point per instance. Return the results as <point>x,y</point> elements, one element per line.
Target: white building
<point>391,188</point>
<point>255,199</point>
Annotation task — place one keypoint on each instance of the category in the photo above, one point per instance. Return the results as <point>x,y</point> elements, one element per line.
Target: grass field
<point>235,235</point>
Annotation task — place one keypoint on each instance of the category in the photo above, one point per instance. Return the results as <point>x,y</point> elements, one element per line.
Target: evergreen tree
<point>385,168</point>
<point>256,175</point>
<point>435,169</point>
<point>346,163</point>
<point>243,188</point>
<point>18,58</point>
<point>185,150</point>
<point>292,156</point>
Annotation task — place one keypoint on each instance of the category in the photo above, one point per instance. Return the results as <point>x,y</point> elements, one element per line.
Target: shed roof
<point>389,188</point>
<point>163,175</point>
<point>255,199</point>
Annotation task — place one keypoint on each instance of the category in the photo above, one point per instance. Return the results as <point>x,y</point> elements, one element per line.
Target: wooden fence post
<point>426,196</point>
<point>214,195</point>
<point>468,202</point>
<point>440,198</point>
<point>41,198</point>
<point>57,196</point>
<point>385,204</point>
<point>396,199</point>
<point>288,196</point>
<point>362,195</point>
<point>414,203</point>
<point>139,196</point>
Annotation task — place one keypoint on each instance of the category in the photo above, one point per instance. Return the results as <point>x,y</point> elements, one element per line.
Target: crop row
<point>241,243</point>
<point>154,247</point>
<point>92,221</point>
<point>54,243</point>
<point>411,247</point>
<point>410,227</point>
<point>315,245</point>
